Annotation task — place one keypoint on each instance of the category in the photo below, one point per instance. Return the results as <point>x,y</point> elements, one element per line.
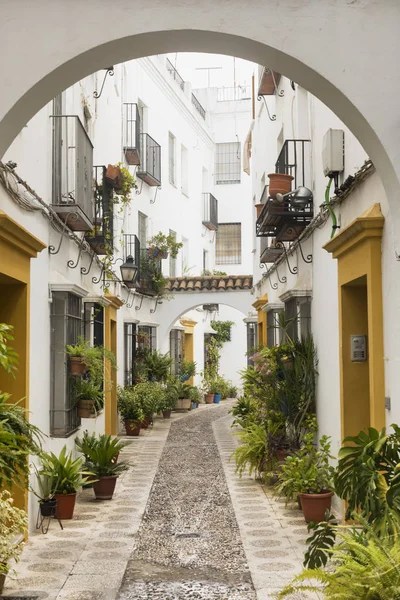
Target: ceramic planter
<point>183,404</point>
<point>209,398</point>
<point>104,487</point>
<point>77,365</point>
<point>217,398</point>
<point>132,427</point>
<point>166,414</point>
<point>86,409</point>
<point>194,404</point>
<point>315,505</point>
<point>279,183</point>
<point>65,506</point>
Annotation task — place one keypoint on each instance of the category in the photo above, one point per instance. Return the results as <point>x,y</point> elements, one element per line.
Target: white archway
<point>343,51</point>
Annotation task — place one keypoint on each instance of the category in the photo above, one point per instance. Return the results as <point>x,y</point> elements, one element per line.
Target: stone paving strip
<point>87,560</point>
<point>273,535</point>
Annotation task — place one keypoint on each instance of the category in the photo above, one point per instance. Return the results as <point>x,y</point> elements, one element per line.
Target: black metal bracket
<point>126,302</point>
<point>273,285</point>
<point>273,118</point>
<point>140,305</point>
<point>294,270</point>
<point>110,72</point>
<point>153,310</point>
<point>83,245</point>
<point>73,216</point>
<point>397,255</point>
<point>139,191</point>
<point>86,270</point>
<point>284,278</point>
<point>100,277</point>
<point>155,195</point>
<point>309,257</point>
<point>262,265</point>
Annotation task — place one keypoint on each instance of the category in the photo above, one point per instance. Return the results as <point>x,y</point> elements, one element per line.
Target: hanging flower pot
<point>155,252</point>
<point>86,409</point>
<point>279,183</point>
<point>114,176</point>
<point>77,365</point>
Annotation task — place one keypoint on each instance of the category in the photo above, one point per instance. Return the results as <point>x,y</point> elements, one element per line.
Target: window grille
<point>147,337</point>
<point>171,157</point>
<point>94,323</point>
<point>274,333</point>
<point>176,345</point>
<point>142,230</point>
<point>228,162</point>
<point>228,244</point>
<point>130,352</point>
<point>66,326</point>
<point>251,341</point>
<point>172,261</point>
<point>298,313</point>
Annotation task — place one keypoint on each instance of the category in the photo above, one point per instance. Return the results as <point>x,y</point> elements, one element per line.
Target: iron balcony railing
<point>229,94</point>
<point>131,247</point>
<point>72,172</point>
<point>175,75</point>
<point>150,271</point>
<point>150,160</point>
<point>131,133</point>
<point>295,159</point>
<point>101,238</point>
<point>210,211</point>
<point>198,107</point>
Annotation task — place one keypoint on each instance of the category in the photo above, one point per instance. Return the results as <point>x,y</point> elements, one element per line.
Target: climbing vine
<point>223,331</point>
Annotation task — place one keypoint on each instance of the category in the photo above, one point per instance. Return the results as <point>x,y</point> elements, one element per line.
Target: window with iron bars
<point>228,163</point>
<point>176,345</point>
<point>130,352</point>
<point>146,337</point>
<point>66,326</point>
<point>274,331</point>
<point>251,341</point>
<point>298,317</point>
<point>228,249</point>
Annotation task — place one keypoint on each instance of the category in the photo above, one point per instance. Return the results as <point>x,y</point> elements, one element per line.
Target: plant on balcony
<point>13,524</point>
<point>122,181</point>
<point>158,282</point>
<point>160,245</point>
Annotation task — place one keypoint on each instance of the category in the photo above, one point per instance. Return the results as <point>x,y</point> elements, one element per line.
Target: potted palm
<point>183,395</point>
<point>309,475</point>
<point>46,484</point>
<point>13,527</point>
<point>130,409</point>
<point>84,445</point>
<point>68,475</point>
<point>161,245</point>
<point>102,457</point>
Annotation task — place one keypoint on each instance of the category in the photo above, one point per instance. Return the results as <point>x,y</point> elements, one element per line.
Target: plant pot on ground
<point>130,410</point>
<point>209,398</point>
<point>102,457</point>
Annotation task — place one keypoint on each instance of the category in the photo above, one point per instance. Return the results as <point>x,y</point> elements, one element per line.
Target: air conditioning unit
<point>333,152</point>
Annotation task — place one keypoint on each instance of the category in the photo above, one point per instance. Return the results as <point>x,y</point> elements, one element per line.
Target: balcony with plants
<point>131,133</point>
<point>286,211</point>
<point>151,281</point>
<point>149,169</point>
<point>100,239</point>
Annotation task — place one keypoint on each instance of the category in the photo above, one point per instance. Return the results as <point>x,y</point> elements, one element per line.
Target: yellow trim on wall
<point>261,319</point>
<point>189,326</point>
<point>110,342</point>
<point>358,250</point>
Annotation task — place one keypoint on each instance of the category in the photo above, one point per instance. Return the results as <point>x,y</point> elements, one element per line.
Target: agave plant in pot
<point>309,475</point>
<point>102,458</point>
<point>13,527</point>
<point>44,491</point>
<point>68,475</point>
<point>84,445</point>
<point>130,410</point>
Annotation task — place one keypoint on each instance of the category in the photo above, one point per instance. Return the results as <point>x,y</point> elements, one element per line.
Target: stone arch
<point>309,42</point>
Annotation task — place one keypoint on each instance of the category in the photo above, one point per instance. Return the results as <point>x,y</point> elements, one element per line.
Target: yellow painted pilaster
<point>358,250</point>
<point>261,318</point>
<point>110,342</point>
<point>189,326</point>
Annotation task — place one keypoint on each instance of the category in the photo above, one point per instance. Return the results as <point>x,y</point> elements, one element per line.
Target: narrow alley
<point>181,525</point>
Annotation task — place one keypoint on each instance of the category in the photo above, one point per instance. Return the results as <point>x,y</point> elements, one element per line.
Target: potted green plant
<point>187,369</point>
<point>46,484</point>
<point>68,475</point>
<point>309,474</point>
<point>171,397</point>
<point>161,245</point>
<point>13,527</point>
<point>183,402</point>
<point>102,458</point>
<point>158,365</point>
<point>121,180</point>
<point>84,446</point>
<point>207,385</point>
<point>89,398</point>
<point>194,396</point>
<point>77,355</point>
<point>130,409</point>
<point>150,394</point>
<point>232,391</point>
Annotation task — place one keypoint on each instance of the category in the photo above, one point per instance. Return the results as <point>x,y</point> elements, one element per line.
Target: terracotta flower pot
<point>65,506</point>
<point>86,409</point>
<point>166,414</point>
<point>315,505</point>
<point>132,427</point>
<point>113,176</point>
<point>78,365</point>
<point>259,208</point>
<point>104,487</point>
<point>281,454</point>
<point>279,183</point>
<point>209,398</point>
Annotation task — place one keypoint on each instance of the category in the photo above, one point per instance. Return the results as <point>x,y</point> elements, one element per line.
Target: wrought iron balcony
<point>175,75</point>
<point>150,161</point>
<point>101,238</point>
<point>210,211</point>
<point>72,197</point>
<point>131,247</point>
<point>232,94</point>
<point>150,273</point>
<point>282,220</point>
<point>131,133</point>
<point>269,253</point>
<point>268,83</point>
<point>198,107</point>
<point>295,159</point>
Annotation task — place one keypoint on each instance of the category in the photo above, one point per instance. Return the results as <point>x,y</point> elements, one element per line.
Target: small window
<point>171,158</point>
<point>227,167</point>
<point>142,230</point>
<point>94,323</point>
<point>184,171</point>
<point>66,326</point>
<point>228,244</point>
<point>298,317</point>
<point>147,337</point>
<point>251,341</point>
<point>274,332</point>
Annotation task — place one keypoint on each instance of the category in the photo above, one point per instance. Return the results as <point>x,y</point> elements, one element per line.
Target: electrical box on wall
<point>333,151</point>
<point>358,348</point>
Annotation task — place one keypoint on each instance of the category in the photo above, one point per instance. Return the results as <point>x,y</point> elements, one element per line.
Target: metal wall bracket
<point>294,270</point>
<point>139,191</point>
<point>140,305</point>
<point>397,255</point>
<point>204,231</point>
<point>279,93</point>
<point>153,310</point>
<point>86,270</point>
<point>83,245</point>
<point>213,239</point>
<point>273,118</point>
<point>109,71</point>
<point>155,195</point>
<point>273,285</point>
<point>309,257</point>
<point>70,216</point>
<point>284,278</point>
<point>100,277</point>
<point>126,302</point>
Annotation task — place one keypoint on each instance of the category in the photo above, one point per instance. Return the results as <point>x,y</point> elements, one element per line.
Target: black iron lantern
<point>129,270</point>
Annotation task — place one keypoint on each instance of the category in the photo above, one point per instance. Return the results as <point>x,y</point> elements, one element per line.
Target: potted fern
<point>77,356</point>
<point>161,245</point>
